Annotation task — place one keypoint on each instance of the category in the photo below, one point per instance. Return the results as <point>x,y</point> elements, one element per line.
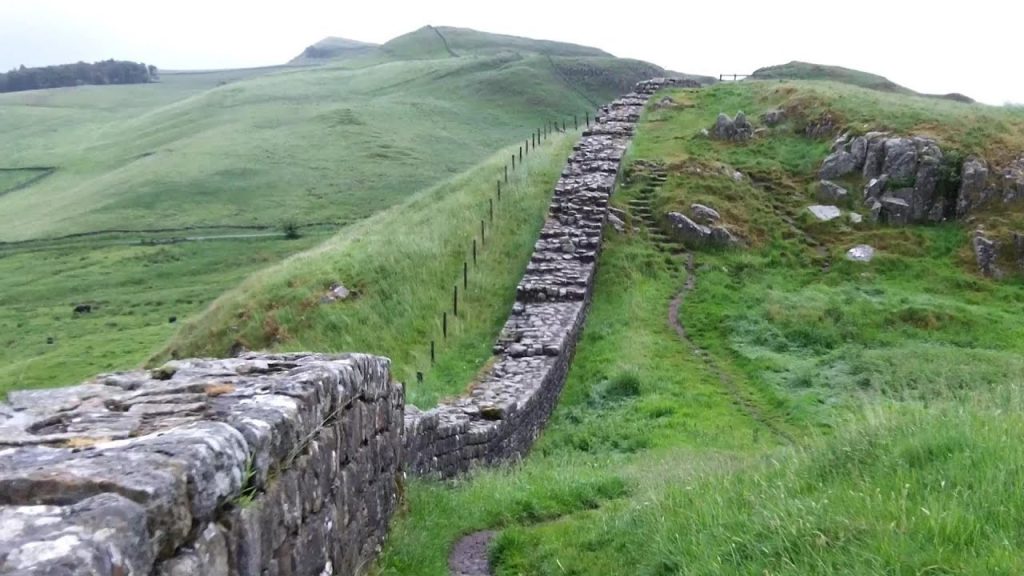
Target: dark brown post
<point>499,190</point>
<point>482,236</point>
<point>431,352</point>
<point>474,252</point>
<point>520,154</point>
<point>455,301</point>
<point>491,208</point>
<point>506,173</point>
<point>444,325</point>
<point>513,162</point>
<point>575,122</point>
<point>588,119</point>
<point>465,275</point>
<point>563,126</point>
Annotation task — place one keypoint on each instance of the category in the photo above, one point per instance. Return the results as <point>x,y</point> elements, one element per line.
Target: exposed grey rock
<point>616,223</point>
<point>859,151</point>
<point>900,159</point>
<point>874,158</point>
<point>837,165</point>
<point>1013,181</point>
<point>821,128</point>
<point>986,252</point>
<point>104,534</point>
<point>689,231</point>
<point>737,129</point>
<point>720,236</point>
<point>855,218</point>
<point>724,128</point>
<point>894,210</point>
<point>876,187</point>
<point>336,293</point>
<point>825,213</point>
<point>974,190</point>
<point>860,253</point>
<point>840,142</point>
<point>831,193</point>
<point>705,214</point>
<point>773,118</point>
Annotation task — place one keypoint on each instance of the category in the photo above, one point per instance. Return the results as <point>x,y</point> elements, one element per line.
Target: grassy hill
<point>331,48</point>
<point>213,166</point>
<point>806,71</point>
<point>809,415</point>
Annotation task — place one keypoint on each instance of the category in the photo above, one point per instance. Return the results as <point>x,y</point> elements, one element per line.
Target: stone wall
<point>291,464</point>
<point>264,464</point>
<point>505,412</point>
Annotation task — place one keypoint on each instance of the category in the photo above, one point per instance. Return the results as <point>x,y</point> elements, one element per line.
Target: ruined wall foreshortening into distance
<point>291,464</point>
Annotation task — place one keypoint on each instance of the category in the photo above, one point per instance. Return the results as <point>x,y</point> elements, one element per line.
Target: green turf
<point>250,152</point>
<point>133,291</point>
<point>403,265</point>
<point>899,382</point>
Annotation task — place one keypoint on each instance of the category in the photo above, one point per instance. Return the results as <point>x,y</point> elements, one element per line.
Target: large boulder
<point>837,165</point>
<point>974,190</point>
<point>773,118</point>
<point>928,204</point>
<point>831,193</point>
<point>986,252</point>
<point>1013,181</point>
<point>825,213</point>
<point>874,156</point>
<point>900,159</point>
<point>894,210</point>
<point>737,129</point>
<point>698,235</point>
<point>705,214</point>
<point>859,150</point>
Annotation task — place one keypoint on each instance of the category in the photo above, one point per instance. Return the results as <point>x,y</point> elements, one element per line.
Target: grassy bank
<point>899,382</point>
<point>402,266</point>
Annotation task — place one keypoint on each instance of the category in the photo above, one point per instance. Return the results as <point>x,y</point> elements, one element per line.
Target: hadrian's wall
<point>503,414</point>
<point>290,464</point>
<point>260,465</point>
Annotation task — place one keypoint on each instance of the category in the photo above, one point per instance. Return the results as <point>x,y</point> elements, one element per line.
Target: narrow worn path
<point>469,557</point>
<point>643,212</point>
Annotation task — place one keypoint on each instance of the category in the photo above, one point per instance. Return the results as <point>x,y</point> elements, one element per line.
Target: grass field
<point>244,153</point>
<point>899,383</point>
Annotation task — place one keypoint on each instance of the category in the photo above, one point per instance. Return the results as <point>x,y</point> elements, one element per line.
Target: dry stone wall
<point>259,465</point>
<point>291,464</point>
<point>504,413</point>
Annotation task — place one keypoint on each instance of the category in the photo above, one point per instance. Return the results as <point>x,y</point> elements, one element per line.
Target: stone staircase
<point>641,208</point>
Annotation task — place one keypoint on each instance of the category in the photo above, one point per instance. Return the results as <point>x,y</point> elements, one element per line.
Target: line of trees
<point>105,72</point>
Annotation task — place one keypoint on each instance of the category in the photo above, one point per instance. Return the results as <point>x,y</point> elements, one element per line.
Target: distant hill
<point>332,47</point>
<point>807,71</point>
<point>434,41</point>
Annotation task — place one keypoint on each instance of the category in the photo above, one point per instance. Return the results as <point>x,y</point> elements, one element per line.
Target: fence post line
<point>465,275</point>
<point>491,208</point>
<point>499,190</point>
<point>513,162</point>
<point>444,324</point>
<point>474,252</point>
<point>482,237</point>
<point>575,122</point>
<point>455,301</point>
<point>431,352</point>
<point>520,154</point>
<point>588,119</point>
<point>506,173</point>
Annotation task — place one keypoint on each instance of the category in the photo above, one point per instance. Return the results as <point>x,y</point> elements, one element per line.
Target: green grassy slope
<point>212,154</point>
<point>806,71</point>
<point>899,382</point>
<point>402,265</point>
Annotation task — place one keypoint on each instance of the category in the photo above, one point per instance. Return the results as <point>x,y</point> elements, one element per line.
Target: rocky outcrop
<point>904,176</point>
<point>986,253</point>
<point>697,235</point>
<point>732,129</point>
<point>773,118</point>
<point>506,410</point>
<point>705,214</point>
<point>260,464</point>
<point>831,193</point>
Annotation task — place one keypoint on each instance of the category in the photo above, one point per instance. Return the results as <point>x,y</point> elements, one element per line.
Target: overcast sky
<point>934,47</point>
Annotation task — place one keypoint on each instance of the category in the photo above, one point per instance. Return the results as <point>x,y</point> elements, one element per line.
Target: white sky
<point>937,47</point>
